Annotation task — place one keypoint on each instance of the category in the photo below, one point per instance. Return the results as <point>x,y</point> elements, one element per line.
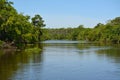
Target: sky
<point>70,13</point>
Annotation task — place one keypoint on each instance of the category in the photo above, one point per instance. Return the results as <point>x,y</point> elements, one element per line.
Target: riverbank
<point>7,45</point>
<point>11,47</point>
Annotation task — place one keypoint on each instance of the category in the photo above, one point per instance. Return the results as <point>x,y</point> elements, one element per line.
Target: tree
<point>6,11</point>
<point>38,22</point>
<point>16,27</point>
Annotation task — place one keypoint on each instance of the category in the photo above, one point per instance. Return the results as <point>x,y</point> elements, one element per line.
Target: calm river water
<point>62,60</point>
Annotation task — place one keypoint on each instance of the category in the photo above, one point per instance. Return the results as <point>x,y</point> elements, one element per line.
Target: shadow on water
<point>11,61</point>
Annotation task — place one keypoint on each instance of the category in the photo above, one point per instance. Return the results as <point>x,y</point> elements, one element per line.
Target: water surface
<point>62,60</point>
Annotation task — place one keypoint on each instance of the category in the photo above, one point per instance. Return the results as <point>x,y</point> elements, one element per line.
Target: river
<point>62,60</point>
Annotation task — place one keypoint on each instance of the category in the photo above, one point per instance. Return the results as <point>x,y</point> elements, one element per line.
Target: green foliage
<point>38,22</point>
<point>16,27</point>
<point>106,33</point>
<point>33,50</point>
<point>1,42</point>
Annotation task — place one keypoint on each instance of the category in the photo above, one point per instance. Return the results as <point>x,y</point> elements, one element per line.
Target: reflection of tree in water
<point>88,47</point>
<point>112,54</point>
<point>83,46</point>
<point>11,61</point>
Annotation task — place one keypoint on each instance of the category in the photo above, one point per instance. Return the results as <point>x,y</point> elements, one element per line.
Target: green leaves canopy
<point>17,27</point>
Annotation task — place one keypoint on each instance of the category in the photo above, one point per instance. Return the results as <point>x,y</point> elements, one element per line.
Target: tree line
<point>17,27</point>
<point>107,33</point>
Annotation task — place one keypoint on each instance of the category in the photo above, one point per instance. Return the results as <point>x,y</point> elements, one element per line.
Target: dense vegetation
<point>107,33</point>
<point>18,28</point>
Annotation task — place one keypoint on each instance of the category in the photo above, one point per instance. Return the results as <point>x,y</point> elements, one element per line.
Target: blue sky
<point>70,13</point>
